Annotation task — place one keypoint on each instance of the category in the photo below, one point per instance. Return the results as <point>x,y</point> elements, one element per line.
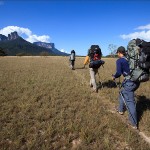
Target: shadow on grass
<point>143,104</point>
<point>81,68</point>
<point>108,84</point>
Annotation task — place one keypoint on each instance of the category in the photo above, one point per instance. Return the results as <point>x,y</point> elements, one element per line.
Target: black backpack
<point>95,57</point>
<point>72,56</point>
<point>144,54</point>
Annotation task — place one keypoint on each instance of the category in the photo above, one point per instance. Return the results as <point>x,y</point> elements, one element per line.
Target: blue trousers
<point>126,98</point>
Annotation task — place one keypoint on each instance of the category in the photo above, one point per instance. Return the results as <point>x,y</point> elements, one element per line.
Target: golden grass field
<point>44,105</point>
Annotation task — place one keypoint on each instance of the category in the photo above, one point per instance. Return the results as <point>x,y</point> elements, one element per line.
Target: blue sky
<point>77,24</point>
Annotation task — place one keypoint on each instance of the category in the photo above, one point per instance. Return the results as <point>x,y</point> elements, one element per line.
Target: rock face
<point>13,36</point>
<point>50,46</point>
<point>3,37</point>
<point>46,45</point>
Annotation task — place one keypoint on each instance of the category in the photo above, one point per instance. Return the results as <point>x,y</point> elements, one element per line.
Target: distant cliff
<point>11,36</point>
<point>51,46</point>
<point>46,45</point>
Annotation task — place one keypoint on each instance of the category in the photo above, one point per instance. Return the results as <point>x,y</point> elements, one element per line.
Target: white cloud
<point>25,31</point>
<point>7,30</point>
<point>62,50</point>
<point>35,38</point>
<point>144,34</point>
<point>147,27</point>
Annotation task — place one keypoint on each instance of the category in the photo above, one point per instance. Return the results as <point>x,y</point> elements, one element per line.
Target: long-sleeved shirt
<point>87,60</point>
<point>122,67</point>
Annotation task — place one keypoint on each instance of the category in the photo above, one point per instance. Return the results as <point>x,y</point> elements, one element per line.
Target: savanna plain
<point>44,105</point>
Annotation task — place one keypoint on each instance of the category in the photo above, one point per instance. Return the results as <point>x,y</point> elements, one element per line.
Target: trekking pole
<point>127,106</point>
<point>119,84</point>
<point>115,83</point>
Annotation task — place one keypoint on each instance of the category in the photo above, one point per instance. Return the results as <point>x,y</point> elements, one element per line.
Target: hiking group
<point>133,64</point>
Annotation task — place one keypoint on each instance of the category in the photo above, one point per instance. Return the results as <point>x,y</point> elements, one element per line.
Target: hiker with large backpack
<point>72,59</point>
<point>126,93</point>
<point>93,58</point>
<point>136,71</point>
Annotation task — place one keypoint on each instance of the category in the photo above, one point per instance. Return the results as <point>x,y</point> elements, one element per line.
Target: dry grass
<point>44,105</point>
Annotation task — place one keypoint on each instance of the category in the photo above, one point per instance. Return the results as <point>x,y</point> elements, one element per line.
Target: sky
<point>77,24</point>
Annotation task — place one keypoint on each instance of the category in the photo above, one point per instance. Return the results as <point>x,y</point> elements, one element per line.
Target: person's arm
<point>86,61</point>
<point>118,70</point>
<point>70,58</point>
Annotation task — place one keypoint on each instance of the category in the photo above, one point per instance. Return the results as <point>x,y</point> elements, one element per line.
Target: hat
<point>121,49</point>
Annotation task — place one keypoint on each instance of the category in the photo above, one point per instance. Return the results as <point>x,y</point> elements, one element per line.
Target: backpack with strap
<point>72,56</point>
<point>138,54</point>
<point>95,57</point>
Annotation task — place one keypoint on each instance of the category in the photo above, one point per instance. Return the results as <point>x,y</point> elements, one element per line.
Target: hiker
<point>93,58</point>
<point>126,96</point>
<point>72,59</point>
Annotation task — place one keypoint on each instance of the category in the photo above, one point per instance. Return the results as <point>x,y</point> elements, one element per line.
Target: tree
<point>113,49</point>
<point>2,52</point>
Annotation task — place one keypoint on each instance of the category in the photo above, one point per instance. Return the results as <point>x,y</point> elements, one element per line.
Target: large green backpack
<point>138,54</point>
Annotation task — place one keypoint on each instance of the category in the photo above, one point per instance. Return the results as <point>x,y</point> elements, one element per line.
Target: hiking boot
<point>95,90</point>
<point>120,112</point>
<point>134,127</point>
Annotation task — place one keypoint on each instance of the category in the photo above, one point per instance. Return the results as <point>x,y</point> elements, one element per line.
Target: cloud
<point>147,27</point>
<point>1,3</point>
<point>144,34</point>
<point>35,38</point>
<point>62,50</point>
<point>25,32</point>
<point>7,30</point>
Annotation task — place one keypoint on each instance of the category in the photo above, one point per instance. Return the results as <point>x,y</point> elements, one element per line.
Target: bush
<point>2,52</point>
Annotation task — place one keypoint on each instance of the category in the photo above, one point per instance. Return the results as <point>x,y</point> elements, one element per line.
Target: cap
<point>121,49</point>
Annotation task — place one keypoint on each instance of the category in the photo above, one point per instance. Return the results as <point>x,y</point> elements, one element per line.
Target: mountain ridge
<point>15,45</point>
<point>21,46</point>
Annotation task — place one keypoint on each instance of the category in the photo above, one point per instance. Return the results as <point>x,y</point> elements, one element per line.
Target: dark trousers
<point>126,98</point>
<point>72,64</point>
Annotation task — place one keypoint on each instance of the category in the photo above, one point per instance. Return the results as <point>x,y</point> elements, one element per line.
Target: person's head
<point>121,51</point>
<point>72,51</point>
